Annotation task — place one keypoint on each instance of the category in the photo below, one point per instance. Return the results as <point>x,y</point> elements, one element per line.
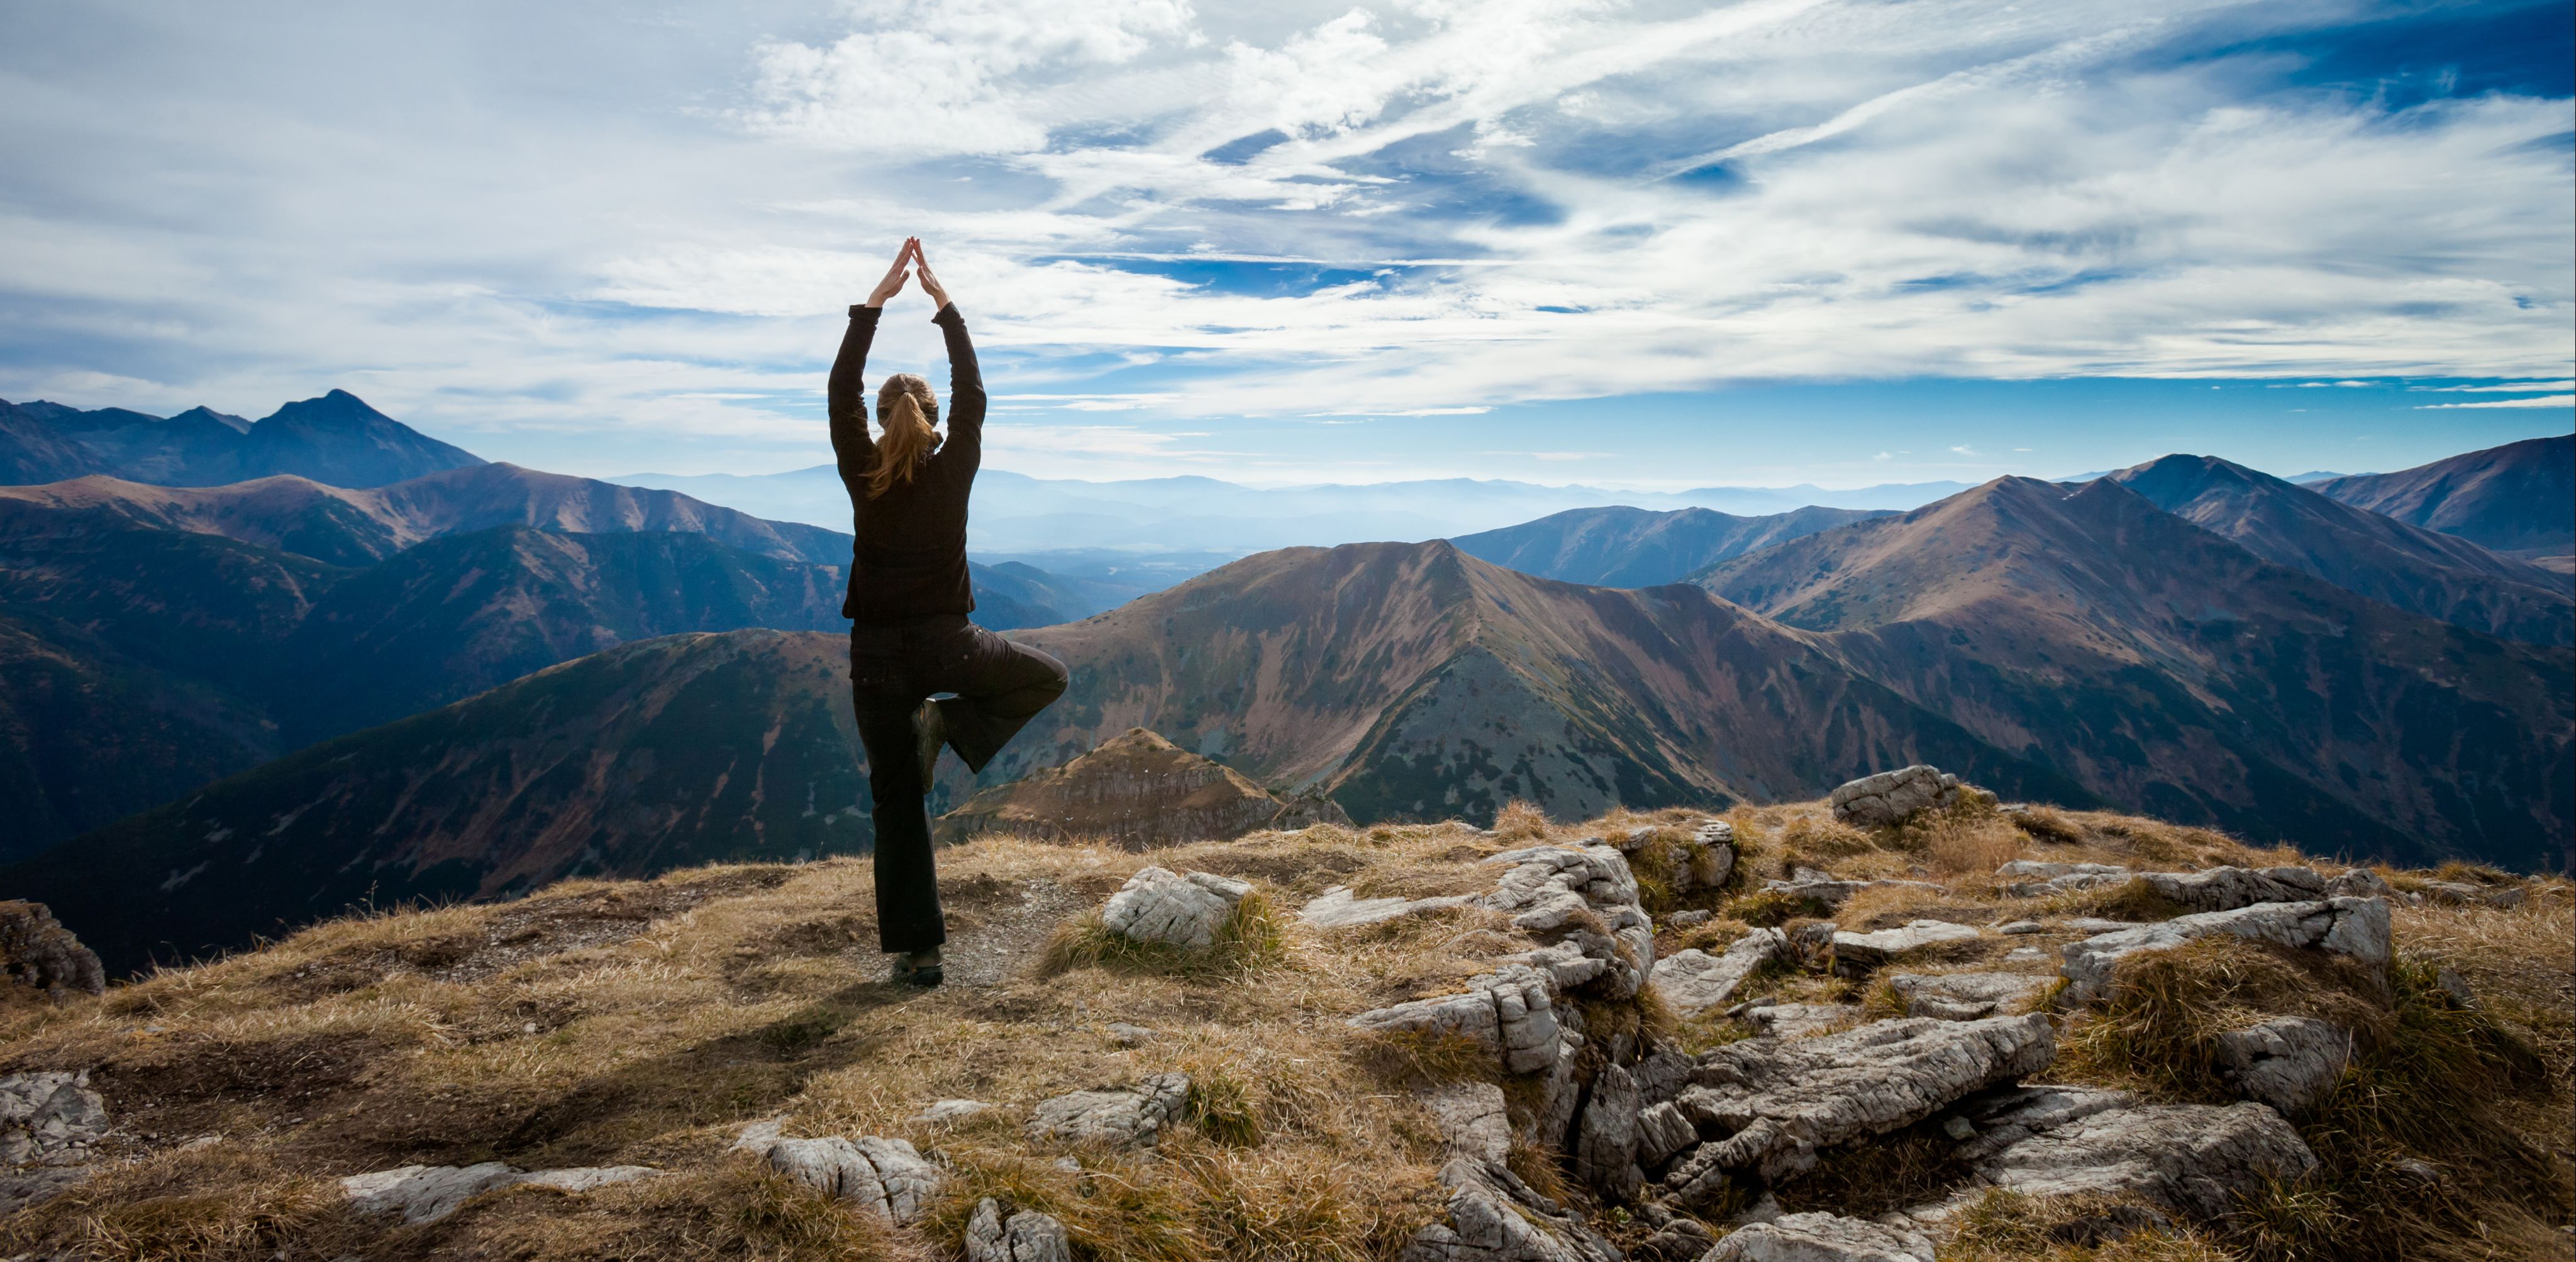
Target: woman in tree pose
<point>909,597</point>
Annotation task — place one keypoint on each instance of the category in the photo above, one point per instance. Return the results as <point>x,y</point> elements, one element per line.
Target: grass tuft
<point>1520,821</point>
<point>2133,900</point>
<point>1770,909</point>
<point>2046,823</point>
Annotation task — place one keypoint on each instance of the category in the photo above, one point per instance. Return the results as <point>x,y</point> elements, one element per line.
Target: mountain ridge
<point>333,438</point>
<point>2518,499</point>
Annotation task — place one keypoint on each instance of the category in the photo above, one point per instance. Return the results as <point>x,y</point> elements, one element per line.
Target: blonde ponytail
<point>904,408</point>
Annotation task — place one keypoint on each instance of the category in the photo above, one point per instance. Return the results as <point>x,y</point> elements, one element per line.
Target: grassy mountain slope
<point>2418,570</point>
<point>671,752</point>
<point>2171,670</point>
<point>2518,499</point>
<point>1635,547</point>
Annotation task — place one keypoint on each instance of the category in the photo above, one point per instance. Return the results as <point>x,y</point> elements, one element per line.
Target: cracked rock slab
<point>1493,1216</point>
<point>1160,905</point>
<point>424,1194</point>
<point>1869,950</point>
<point>1892,797</point>
<point>2357,927</point>
<point>1565,890</point>
<point>1131,1117</point>
<point>1027,1236</point>
<point>1773,1105</point>
<point>1472,1118</point>
<point>1966,996</point>
<point>1508,1011</point>
<point>1799,1020</point>
<point>2286,1062</point>
<point>1694,981</point>
<point>1821,1238</point>
<point>1339,908</point>
<point>2196,1159</point>
<point>1605,1149</point>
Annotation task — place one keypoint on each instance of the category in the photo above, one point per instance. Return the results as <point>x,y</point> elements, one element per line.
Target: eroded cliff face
<point>1136,791</point>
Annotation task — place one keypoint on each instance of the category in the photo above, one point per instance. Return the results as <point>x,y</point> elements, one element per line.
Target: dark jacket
<point>910,558</point>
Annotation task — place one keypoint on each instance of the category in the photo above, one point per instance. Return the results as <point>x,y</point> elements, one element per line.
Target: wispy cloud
<point>2545,401</point>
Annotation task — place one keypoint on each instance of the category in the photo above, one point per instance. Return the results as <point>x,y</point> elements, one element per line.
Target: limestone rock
<point>1027,1236</point>
<point>1800,1020</point>
<point>1694,981</point>
<point>1306,808</point>
<point>2193,1158</point>
<point>2357,927</point>
<point>1892,797</point>
<point>1834,893</point>
<point>944,1112</point>
<point>1687,919</point>
<point>2008,1115</point>
<point>49,1118</point>
<point>1128,1116</point>
<point>1663,1130</point>
<point>2018,928</point>
<point>1472,1119</point>
<point>424,1194</point>
<point>1139,790</point>
<point>2463,894</point>
<point>1774,1105</point>
<point>1339,908</point>
<point>2050,871</point>
<point>2358,883</point>
<point>1555,889</point>
<point>1821,1238</point>
<point>2286,1062</point>
<point>1965,996</point>
<point>1508,1011</point>
<point>1493,1216</point>
<point>34,1185</point>
<point>38,951</point>
<point>886,1177</point>
<point>1160,905</point>
<point>1869,950</point>
<point>1605,1150</point>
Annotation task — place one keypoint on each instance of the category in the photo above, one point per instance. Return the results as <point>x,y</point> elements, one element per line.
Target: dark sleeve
<point>846,401</point>
<point>965,442</point>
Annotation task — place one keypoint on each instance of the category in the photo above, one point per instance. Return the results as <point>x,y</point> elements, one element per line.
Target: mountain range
<point>1635,547</point>
<point>2518,499</point>
<point>335,439</point>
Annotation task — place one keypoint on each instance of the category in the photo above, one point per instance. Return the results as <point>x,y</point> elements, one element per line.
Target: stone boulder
<point>886,1177</point>
<point>1694,981</point>
<point>2355,927</point>
<point>1821,1238</point>
<point>1865,951</point>
<point>38,951</point>
<point>2286,1062</point>
<point>1770,1106</point>
<point>425,1194</point>
<point>1160,905</point>
<point>1893,797</point>
<point>1141,792</point>
<point>2193,1158</point>
<point>1027,1236</point>
<point>1966,996</point>
<point>1509,1011</point>
<point>1492,1216</point>
<point>1130,1117</point>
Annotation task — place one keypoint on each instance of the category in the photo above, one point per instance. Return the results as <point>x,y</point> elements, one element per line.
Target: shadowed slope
<point>335,439</point>
<point>1635,547</point>
<point>2421,571</point>
<point>2518,499</point>
<point>2173,671</point>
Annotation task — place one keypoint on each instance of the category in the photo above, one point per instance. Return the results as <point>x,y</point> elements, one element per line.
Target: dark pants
<point>1000,686</point>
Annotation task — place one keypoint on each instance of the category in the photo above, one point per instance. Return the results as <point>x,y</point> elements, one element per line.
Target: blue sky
<point>1651,244</point>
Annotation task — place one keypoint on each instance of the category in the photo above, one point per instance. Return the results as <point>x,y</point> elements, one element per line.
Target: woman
<point>909,597</point>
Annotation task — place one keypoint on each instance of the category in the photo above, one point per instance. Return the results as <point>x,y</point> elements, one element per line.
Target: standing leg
<point>1000,686</point>
<point>908,917</point>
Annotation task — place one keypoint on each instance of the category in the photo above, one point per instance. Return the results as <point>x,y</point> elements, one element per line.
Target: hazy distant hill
<point>2437,575</point>
<point>2518,499</point>
<point>646,757</point>
<point>335,439</point>
<point>1635,547</point>
<point>2171,670</point>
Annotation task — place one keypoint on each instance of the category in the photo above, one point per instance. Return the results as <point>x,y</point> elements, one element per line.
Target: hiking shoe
<point>930,735</point>
<point>916,970</point>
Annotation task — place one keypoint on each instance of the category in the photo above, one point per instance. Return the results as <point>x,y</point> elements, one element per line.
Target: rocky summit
<point>1136,790</point>
<point>1974,1030</point>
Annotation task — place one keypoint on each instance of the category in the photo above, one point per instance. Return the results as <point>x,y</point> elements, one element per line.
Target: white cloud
<point>2547,401</point>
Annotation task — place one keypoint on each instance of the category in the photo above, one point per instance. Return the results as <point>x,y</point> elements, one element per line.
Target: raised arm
<point>965,379</point>
<point>845,397</point>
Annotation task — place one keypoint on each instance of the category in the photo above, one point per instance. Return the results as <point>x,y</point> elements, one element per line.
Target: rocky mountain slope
<point>335,439</point>
<point>2518,499</point>
<point>1631,1039</point>
<point>1635,547</point>
<point>2164,667</point>
<point>1137,791</point>
<point>2422,571</point>
<point>1413,680</point>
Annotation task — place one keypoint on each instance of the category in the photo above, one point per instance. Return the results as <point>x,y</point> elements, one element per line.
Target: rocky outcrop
<point>2211,889</point>
<point>1492,1216</point>
<point>1508,1011</point>
<point>1866,951</point>
<point>1027,1236</point>
<point>1694,981</point>
<point>1825,889</point>
<point>49,1118</point>
<point>1339,908</point>
<point>1565,891</point>
<point>2355,927</point>
<point>885,1177</point>
<point>1821,1238</point>
<point>38,951</point>
<point>1966,996</point>
<point>2193,1158</point>
<point>1160,905</point>
<point>1798,1020</point>
<point>2286,1062</point>
<point>1129,1117</point>
<point>1769,1107</point>
<point>2463,894</point>
<point>1472,1119</point>
<point>425,1194</point>
<point>1139,791</point>
<point>1605,1150</point>
<point>1893,797</point>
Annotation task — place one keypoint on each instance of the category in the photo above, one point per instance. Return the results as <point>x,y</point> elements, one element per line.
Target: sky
<point>1626,244</point>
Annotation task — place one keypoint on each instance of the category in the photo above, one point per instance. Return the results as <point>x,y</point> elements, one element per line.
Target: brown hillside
<point>1137,790</point>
